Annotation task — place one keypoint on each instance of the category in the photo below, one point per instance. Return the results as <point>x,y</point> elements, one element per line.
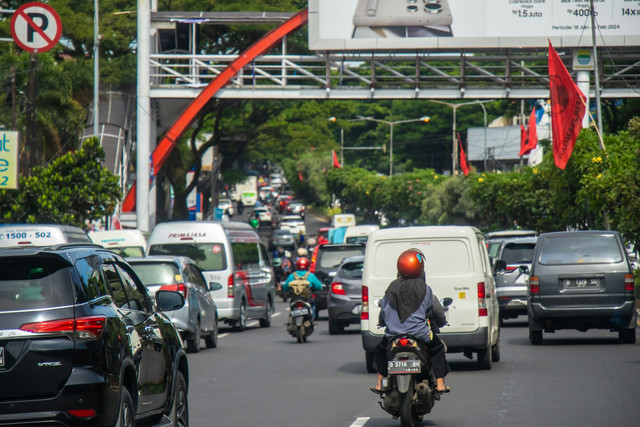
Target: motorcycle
<point>300,324</point>
<point>410,388</point>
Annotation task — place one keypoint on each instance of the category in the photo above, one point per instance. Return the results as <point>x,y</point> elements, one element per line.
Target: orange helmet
<point>411,264</point>
<point>302,263</point>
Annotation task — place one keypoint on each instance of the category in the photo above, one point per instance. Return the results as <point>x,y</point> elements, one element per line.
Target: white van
<point>457,266</point>
<point>343,220</point>
<point>359,233</point>
<point>233,261</point>
<point>21,235</point>
<point>127,243</point>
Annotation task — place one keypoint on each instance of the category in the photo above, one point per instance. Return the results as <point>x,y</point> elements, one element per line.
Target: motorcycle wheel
<point>300,334</point>
<point>406,411</point>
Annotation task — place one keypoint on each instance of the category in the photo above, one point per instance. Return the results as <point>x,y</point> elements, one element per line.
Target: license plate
<point>300,312</point>
<point>581,283</point>
<point>404,366</point>
<point>1,356</point>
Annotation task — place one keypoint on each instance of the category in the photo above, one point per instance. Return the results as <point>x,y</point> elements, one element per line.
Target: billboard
<point>457,24</point>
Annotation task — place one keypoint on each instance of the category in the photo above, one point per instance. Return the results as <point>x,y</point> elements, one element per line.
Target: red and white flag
<point>336,163</point>
<point>463,158</point>
<point>567,109</point>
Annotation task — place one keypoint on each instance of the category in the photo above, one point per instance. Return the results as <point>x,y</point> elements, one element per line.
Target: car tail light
<point>534,285</point>
<point>230,286</point>
<point>364,310</point>
<point>628,282</point>
<point>84,328</point>
<point>82,413</point>
<point>482,300</point>
<point>180,287</point>
<point>511,268</point>
<point>337,288</point>
<point>314,258</point>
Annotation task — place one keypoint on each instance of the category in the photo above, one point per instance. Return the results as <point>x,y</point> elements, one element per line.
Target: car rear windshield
<point>129,251</point>
<point>333,257</point>
<point>362,240</point>
<point>157,273</point>
<point>34,283</point>
<point>592,249</point>
<point>351,270</point>
<point>208,256</point>
<point>518,253</point>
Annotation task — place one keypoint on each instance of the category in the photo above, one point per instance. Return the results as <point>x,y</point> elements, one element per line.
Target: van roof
<point>119,238</point>
<point>40,235</point>
<point>197,231</point>
<point>360,230</point>
<point>424,231</point>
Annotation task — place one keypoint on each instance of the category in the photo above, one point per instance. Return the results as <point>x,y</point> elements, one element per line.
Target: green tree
<point>73,189</point>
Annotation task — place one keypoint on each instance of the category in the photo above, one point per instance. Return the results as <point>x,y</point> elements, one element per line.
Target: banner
<point>9,167</point>
<point>463,158</point>
<point>567,109</point>
<point>336,163</point>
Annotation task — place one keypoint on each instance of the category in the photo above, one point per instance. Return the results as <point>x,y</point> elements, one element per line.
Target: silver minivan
<point>511,272</point>
<point>233,261</point>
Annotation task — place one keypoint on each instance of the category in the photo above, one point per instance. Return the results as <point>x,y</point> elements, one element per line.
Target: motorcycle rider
<point>410,307</point>
<point>302,273</point>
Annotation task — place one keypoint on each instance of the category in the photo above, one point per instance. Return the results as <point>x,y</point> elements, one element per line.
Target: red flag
<point>300,177</point>
<point>463,158</point>
<point>529,137</point>
<point>336,163</point>
<point>567,109</point>
<point>524,141</point>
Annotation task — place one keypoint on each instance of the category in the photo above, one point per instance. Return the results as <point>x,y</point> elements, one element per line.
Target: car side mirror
<point>501,265</point>
<point>215,286</point>
<point>169,300</point>
<point>446,302</point>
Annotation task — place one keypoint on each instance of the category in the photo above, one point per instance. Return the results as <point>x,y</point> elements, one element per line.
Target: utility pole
<point>596,68</point>
<point>96,73</point>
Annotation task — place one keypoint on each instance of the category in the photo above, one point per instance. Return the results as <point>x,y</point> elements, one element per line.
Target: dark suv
<point>325,262</point>
<point>81,342</point>
<point>581,280</point>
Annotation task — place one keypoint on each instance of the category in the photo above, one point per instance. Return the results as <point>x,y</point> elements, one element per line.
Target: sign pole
<point>31,124</point>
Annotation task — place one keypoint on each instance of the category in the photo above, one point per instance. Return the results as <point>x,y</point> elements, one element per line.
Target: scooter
<point>300,324</point>
<point>410,389</point>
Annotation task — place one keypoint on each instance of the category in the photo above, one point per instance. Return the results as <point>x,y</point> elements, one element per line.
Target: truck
<point>247,191</point>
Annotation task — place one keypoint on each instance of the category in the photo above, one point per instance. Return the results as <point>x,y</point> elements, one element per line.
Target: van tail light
<point>482,300</point>
<point>534,285</point>
<point>314,258</point>
<point>180,287</point>
<point>337,288</point>
<point>364,309</point>
<point>230,286</point>
<point>82,328</point>
<point>628,283</point>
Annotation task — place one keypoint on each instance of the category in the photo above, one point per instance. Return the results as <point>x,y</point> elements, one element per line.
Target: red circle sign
<point>36,27</point>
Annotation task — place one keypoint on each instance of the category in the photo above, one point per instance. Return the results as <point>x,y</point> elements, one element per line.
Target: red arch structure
<point>177,130</point>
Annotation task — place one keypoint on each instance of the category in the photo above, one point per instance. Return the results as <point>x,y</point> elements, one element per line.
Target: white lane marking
<point>254,323</point>
<point>359,422</point>
<point>276,314</point>
<point>223,335</point>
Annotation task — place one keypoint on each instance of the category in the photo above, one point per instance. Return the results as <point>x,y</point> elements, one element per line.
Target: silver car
<point>345,296</point>
<point>198,318</point>
<point>512,265</point>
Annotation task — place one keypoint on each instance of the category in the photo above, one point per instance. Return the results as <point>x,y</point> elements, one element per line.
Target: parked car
<point>495,238</point>
<point>227,206</point>
<point>82,344</point>
<point>512,268</point>
<point>198,318</point>
<point>581,280</point>
<point>296,208</point>
<point>293,223</point>
<point>324,264</point>
<point>22,235</point>
<point>264,215</point>
<point>345,296</point>
<point>282,238</point>
<point>126,243</point>
<point>233,261</point>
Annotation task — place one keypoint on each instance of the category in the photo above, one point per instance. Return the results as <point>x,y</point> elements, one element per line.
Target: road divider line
<point>254,323</point>
<point>359,422</point>
<point>223,335</point>
<point>276,314</point>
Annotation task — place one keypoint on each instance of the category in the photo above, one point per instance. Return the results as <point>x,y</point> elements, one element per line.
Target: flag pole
<point>596,75</point>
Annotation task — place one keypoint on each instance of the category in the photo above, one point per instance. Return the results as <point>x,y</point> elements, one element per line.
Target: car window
<point>34,283</point>
<point>116,287</point>
<point>351,270</point>
<point>264,258</point>
<point>578,249</point>
<point>91,278</point>
<point>518,253</point>
<point>208,256</point>
<point>246,256</point>
<point>129,252</point>
<point>137,299</point>
<point>333,258</point>
<point>157,273</point>
<point>357,239</point>
<point>195,277</point>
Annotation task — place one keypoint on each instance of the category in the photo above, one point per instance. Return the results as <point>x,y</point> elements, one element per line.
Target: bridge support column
<point>143,116</point>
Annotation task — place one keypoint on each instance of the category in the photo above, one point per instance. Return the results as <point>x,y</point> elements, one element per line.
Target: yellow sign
<point>462,295</point>
<point>9,160</point>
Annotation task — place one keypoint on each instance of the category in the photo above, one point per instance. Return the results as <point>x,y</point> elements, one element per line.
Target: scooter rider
<point>410,307</point>
<point>302,273</point>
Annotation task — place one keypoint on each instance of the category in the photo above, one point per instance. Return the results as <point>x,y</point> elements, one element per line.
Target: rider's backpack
<point>300,286</point>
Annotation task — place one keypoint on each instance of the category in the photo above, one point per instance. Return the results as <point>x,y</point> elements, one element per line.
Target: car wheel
<point>126,412</point>
<point>266,321</point>
<point>241,323</point>
<point>179,414</point>
<point>369,356</point>
<point>211,341</point>
<point>535,337</point>
<point>484,358</point>
<point>193,343</point>
<point>628,336</point>
<point>335,328</point>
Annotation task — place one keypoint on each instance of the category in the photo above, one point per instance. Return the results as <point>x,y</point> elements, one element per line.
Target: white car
<point>293,223</point>
<point>264,215</point>
<point>226,205</point>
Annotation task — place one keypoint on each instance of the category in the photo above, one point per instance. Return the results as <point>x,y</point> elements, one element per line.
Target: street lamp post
<point>425,119</point>
<point>455,107</point>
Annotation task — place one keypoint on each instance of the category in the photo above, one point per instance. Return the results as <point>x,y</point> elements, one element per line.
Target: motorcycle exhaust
<point>423,387</point>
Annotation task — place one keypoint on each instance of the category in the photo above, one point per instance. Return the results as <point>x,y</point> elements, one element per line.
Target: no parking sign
<point>36,27</point>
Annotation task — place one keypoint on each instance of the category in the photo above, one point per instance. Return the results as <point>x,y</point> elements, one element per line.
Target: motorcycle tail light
<point>298,304</point>
<point>405,342</point>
